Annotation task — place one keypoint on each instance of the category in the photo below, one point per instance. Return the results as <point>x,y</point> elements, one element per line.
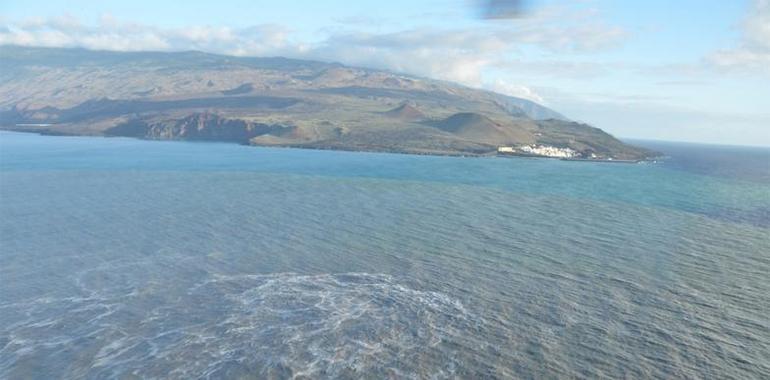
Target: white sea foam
<point>283,324</point>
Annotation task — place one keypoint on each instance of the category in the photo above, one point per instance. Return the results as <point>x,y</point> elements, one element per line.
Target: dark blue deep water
<point>124,258</point>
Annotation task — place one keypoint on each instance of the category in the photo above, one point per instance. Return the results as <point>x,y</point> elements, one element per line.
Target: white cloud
<point>451,55</point>
<point>567,29</point>
<point>753,53</point>
<point>512,89</point>
<point>757,25</point>
<point>113,34</point>
<point>464,55</point>
<point>460,55</point>
<point>559,68</point>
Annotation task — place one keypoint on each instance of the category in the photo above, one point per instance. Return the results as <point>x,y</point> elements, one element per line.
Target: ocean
<point>124,258</point>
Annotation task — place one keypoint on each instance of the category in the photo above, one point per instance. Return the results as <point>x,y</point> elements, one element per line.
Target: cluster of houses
<point>539,150</point>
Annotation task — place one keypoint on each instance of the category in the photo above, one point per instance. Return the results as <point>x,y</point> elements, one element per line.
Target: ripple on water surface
<point>321,264</point>
<point>281,324</point>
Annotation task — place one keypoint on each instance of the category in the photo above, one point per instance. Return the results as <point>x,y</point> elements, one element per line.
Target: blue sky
<point>673,70</point>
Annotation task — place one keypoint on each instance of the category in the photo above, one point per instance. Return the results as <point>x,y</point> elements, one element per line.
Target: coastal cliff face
<point>272,101</point>
<point>201,127</point>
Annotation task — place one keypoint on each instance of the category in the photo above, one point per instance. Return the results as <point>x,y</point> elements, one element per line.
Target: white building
<point>548,151</point>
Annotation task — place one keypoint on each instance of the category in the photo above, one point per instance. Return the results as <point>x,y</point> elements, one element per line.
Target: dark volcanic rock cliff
<point>198,126</point>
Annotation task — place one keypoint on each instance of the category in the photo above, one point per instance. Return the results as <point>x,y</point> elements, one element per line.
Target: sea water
<point>124,258</point>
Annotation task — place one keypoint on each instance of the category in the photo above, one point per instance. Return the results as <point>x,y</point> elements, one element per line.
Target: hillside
<point>271,101</point>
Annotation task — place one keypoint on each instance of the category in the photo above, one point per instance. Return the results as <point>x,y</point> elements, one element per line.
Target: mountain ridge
<point>324,105</point>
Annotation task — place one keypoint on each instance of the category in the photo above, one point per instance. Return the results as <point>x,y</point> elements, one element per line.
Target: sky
<point>680,70</point>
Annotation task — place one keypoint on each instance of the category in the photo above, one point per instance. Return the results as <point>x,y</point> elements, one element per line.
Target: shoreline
<point>490,154</point>
<point>616,161</point>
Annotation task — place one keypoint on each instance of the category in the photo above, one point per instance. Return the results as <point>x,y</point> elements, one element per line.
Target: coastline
<point>371,149</point>
<point>611,160</point>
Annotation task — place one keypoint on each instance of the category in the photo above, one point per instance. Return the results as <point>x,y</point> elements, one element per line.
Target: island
<point>277,101</point>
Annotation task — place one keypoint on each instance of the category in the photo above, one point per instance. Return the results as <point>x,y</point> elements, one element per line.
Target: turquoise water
<point>123,258</point>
